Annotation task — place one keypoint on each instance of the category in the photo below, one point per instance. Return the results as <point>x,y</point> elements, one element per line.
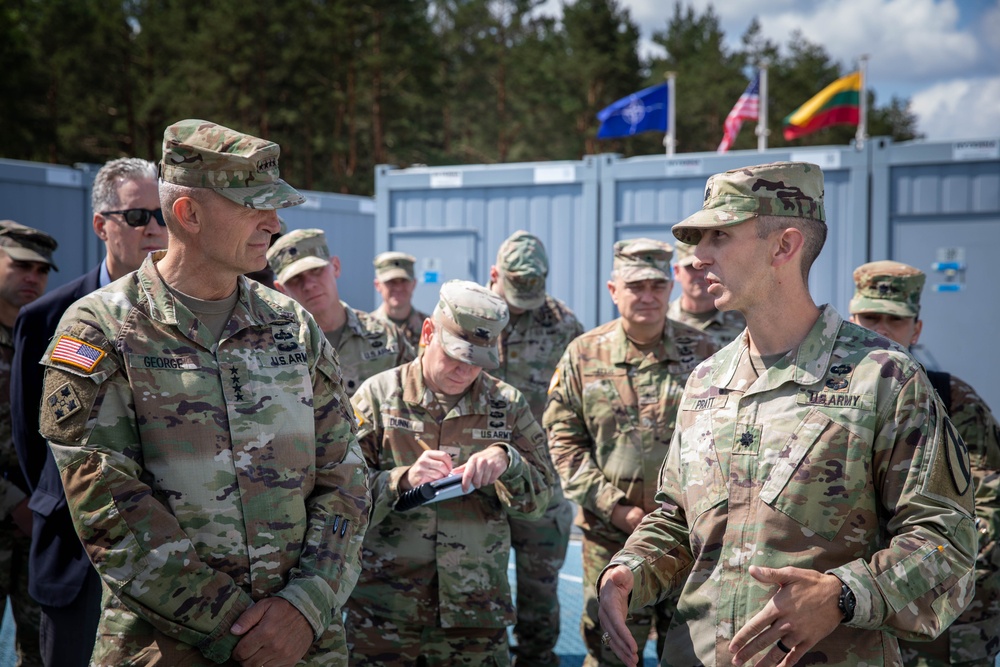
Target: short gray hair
<point>104,193</point>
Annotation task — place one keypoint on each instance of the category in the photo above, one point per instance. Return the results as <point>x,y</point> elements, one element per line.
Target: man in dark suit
<point>127,218</point>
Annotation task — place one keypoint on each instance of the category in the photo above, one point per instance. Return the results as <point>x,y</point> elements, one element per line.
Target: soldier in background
<point>611,412</point>
<point>887,301</point>
<point>395,282</point>
<point>204,438</point>
<point>305,271</point>
<point>815,502</point>
<point>539,329</point>
<point>25,262</point>
<point>695,307</point>
<point>434,588</point>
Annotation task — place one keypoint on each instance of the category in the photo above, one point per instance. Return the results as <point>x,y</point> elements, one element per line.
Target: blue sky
<point>944,55</point>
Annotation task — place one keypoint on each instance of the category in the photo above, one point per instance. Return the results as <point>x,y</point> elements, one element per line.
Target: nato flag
<point>639,112</point>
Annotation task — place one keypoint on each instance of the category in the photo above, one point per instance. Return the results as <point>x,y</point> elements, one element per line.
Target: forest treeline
<point>345,85</point>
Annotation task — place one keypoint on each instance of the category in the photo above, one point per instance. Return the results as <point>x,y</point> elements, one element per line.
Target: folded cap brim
<point>299,266</point>
<point>632,274</point>
<point>523,299</point>
<point>466,352</point>
<point>264,197</point>
<point>392,274</point>
<point>22,254</point>
<point>690,229</point>
<point>863,304</point>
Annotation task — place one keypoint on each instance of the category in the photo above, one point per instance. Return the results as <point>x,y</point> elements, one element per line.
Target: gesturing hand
<point>802,612</point>
<point>485,467</point>
<point>431,465</point>
<point>613,597</point>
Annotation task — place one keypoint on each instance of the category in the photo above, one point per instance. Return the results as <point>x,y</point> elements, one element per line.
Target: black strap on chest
<point>942,385</point>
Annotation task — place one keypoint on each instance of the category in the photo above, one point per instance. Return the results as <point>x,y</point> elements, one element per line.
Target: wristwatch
<point>847,602</point>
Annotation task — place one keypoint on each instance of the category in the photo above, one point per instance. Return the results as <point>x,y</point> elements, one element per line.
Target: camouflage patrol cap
<point>298,251</point>
<point>887,287</point>
<point>788,189</point>
<point>27,244</point>
<point>642,259</point>
<point>392,265</point>
<point>523,266</point>
<point>240,167</point>
<point>683,254</point>
<point>470,318</point>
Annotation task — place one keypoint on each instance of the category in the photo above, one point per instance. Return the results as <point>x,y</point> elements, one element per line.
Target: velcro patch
<point>63,403</point>
<point>491,434</point>
<point>958,459</point>
<point>390,421</point>
<point>75,352</point>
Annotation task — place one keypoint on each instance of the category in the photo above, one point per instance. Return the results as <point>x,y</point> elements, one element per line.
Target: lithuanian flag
<point>837,104</point>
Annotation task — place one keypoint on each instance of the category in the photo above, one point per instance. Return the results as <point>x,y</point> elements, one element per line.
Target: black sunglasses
<point>138,217</point>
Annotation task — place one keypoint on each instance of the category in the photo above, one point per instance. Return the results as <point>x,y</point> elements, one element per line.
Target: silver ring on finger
<point>781,647</point>
<point>606,639</point>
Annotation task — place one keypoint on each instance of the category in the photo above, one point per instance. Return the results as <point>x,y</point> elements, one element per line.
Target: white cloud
<point>959,109</point>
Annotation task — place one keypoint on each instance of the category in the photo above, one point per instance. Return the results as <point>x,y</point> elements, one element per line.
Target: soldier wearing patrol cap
<point>815,502</point>
<point>203,435</point>
<point>305,271</point>
<point>25,261</point>
<point>887,301</point>
<point>434,583</point>
<point>695,307</point>
<point>610,416</point>
<point>395,282</point>
<point>539,329</point>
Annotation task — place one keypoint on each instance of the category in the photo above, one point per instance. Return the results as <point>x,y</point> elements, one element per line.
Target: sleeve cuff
<point>218,646</point>
<point>607,499</point>
<point>636,599</point>
<point>314,599</point>
<point>870,608</point>
<point>516,466</point>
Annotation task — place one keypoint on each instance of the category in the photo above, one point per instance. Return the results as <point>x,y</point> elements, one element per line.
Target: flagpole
<point>862,133</point>
<point>762,130</point>
<point>669,139</point>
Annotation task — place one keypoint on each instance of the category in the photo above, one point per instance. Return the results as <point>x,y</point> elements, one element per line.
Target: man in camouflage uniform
<point>610,416</point>
<point>25,262</point>
<point>394,281</point>
<point>434,586</point>
<point>695,307</point>
<point>539,329</point>
<point>815,503</point>
<point>887,301</point>
<point>305,271</point>
<point>203,435</point>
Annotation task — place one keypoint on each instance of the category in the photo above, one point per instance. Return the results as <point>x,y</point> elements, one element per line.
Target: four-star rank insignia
<point>63,403</point>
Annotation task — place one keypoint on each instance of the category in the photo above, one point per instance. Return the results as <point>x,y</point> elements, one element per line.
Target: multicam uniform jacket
<point>410,328</point>
<point>611,414</point>
<point>445,564</point>
<point>369,346</point>
<point>975,636</point>
<point>839,458</point>
<point>724,327</point>
<point>531,348</point>
<point>201,476</point>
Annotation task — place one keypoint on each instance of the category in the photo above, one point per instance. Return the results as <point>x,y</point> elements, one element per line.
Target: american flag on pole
<point>746,108</point>
<point>76,352</point>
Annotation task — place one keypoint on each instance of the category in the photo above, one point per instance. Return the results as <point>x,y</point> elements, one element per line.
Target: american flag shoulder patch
<point>76,352</point>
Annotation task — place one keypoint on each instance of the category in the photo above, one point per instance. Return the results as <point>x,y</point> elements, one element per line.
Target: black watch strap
<point>847,602</point>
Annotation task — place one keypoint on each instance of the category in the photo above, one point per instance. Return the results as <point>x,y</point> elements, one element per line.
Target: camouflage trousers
<point>14,548</point>
<point>379,642</point>
<point>540,551</point>
<point>597,553</point>
<point>125,639</point>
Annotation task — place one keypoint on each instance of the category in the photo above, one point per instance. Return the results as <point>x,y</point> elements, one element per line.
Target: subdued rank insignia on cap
<point>480,332</point>
<point>886,288</point>
<point>63,403</point>
<point>75,352</point>
<point>958,459</point>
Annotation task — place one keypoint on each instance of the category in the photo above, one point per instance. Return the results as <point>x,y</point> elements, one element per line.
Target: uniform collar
<point>623,351</point>
<point>812,357</point>
<point>251,308</point>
